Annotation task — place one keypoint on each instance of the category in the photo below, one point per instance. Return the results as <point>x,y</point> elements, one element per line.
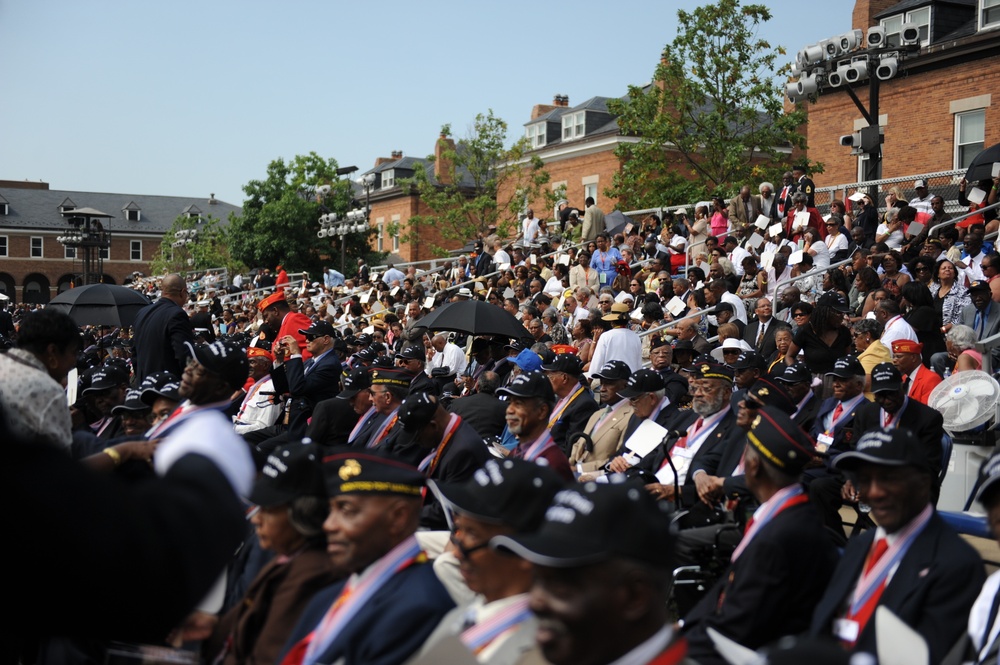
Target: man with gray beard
<point>711,386</point>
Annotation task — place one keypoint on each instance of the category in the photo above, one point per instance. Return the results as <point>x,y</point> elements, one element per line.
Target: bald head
<point>173,287</point>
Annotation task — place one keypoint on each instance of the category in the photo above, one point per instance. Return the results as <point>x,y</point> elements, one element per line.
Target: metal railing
<point>673,324</point>
<point>955,220</point>
<point>815,271</point>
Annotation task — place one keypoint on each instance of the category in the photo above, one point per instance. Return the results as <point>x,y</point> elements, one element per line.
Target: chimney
<point>443,165</point>
<point>383,160</point>
<point>866,10</point>
<point>397,154</point>
<point>211,199</point>
<point>541,109</point>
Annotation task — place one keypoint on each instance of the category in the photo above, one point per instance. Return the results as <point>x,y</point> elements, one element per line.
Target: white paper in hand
<point>996,170</point>
<point>675,306</point>
<point>646,437</point>
<point>801,220</point>
<point>774,230</point>
<point>795,258</point>
<point>977,195</point>
<point>897,643</point>
<point>763,221</point>
<point>508,293</point>
<point>755,241</point>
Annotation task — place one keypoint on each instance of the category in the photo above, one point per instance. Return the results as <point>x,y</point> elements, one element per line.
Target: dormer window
<point>132,212</point>
<point>573,125</point>
<point>388,179</point>
<point>67,205</point>
<point>536,134</point>
<point>893,25</point>
<point>192,212</point>
<point>989,17</point>
<point>4,207</point>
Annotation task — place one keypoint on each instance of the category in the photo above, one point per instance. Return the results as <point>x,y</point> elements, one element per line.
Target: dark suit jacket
<point>160,332</point>
<point>767,346</point>
<point>392,624</point>
<point>308,389</point>
<point>770,590</point>
<point>968,318</point>
<point>464,455</point>
<point>843,431</point>
<point>573,419</point>
<point>484,413</point>
<point>203,320</point>
<point>719,436</point>
<point>721,461</point>
<point>701,345</point>
<point>932,590</point>
<point>331,423</point>
<point>922,420</point>
<point>367,430</point>
<point>806,416</point>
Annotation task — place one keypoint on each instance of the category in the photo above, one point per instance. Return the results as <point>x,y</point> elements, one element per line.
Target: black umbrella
<point>100,304</point>
<point>615,222</point>
<point>981,167</point>
<point>474,317</point>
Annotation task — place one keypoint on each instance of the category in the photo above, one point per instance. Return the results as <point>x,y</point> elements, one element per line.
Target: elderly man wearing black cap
<point>310,381</point>
<point>506,497</point>
<point>660,358</point>
<point>710,389</point>
<point>108,385</point>
<point>605,429</point>
<point>747,368</point>
<point>785,559</point>
<point>530,401</point>
<point>602,573</point>
<point>440,444</point>
<point>389,386</point>
<point>646,392</point>
<point>913,563</point>
<point>574,404</point>
<point>834,433</point>
<point>413,358</point>
<point>391,600</point>
<point>356,393</point>
<point>797,380</point>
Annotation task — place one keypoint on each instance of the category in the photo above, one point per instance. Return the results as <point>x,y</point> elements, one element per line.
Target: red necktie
<point>837,412</point>
<point>865,613</point>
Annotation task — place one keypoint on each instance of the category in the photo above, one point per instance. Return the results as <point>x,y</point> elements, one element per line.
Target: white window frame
<point>590,190</point>
<point>389,179</point>
<point>41,247</point>
<point>892,33</point>
<point>132,245</point>
<point>69,252</point>
<point>537,134</point>
<point>4,209</point>
<point>574,125</point>
<point>129,213</point>
<point>958,129</point>
<point>4,246</point>
<point>378,237</point>
<point>983,6</point>
<point>395,234</point>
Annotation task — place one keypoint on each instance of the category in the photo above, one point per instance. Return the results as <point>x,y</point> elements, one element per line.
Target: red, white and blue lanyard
<point>480,636</point>
<point>782,499</point>
<point>182,414</point>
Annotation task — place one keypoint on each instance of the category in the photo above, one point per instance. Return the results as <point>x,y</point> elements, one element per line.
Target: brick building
<point>938,111</point>
<point>34,265</point>
<point>392,205</point>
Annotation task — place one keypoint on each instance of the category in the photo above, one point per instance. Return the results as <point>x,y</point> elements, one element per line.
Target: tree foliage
<point>201,244</point>
<point>281,212</point>
<point>716,104</point>
<point>488,184</point>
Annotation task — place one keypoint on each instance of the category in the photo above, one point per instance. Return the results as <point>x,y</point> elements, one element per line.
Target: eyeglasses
<point>799,315</point>
<point>467,551</point>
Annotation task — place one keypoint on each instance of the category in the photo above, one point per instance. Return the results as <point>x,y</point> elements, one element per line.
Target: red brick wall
<point>920,128</point>
<point>406,207</point>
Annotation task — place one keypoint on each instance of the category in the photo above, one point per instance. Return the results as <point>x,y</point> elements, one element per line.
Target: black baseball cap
<point>564,362</point>
<point>290,471</point>
<point>359,472</point>
<point>511,492</point>
<point>160,384</point>
<point>530,384</point>
<point>412,352</point>
<point>886,378</point>
<point>847,367</point>
<point>642,382</point>
<point>132,403</point>
<point>225,359</point>
<point>319,328</point>
<point>886,447</point>
<point>835,301</point>
<point>108,376</point>
<point>797,373</point>
<point>593,522</point>
<point>772,395</point>
<point>613,370</point>
<point>416,411</point>
<point>356,380</point>
<point>749,360</point>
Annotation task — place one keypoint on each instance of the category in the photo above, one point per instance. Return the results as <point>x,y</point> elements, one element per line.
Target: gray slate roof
<point>39,209</point>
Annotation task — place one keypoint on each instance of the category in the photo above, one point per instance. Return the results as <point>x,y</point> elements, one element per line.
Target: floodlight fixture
<point>850,41</point>
<point>909,34</point>
<point>887,68</point>
<point>876,37</point>
<point>856,71</point>
<point>807,85</point>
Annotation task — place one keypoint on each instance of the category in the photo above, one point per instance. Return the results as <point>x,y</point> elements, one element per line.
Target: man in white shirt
<point>619,343</point>
<point>922,201</point>
<point>735,253</point>
<point>499,255</point>
<point>529,227</point>
<point>446,354</point>
<point>718,291</point>
<point>887,313</point>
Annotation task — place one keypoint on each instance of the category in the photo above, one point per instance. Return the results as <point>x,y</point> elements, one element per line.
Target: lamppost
<point>183,238</point>
<point>846,59</point>
<point>87,237</point>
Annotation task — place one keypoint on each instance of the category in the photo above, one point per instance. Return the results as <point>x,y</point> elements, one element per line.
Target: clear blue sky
<point>187,98</point>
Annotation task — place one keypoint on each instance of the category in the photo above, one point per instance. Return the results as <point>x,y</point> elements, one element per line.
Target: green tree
<point>713,118</point>
<point>487,184</point>
<point>194,244</point>
<point>281,213</point>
